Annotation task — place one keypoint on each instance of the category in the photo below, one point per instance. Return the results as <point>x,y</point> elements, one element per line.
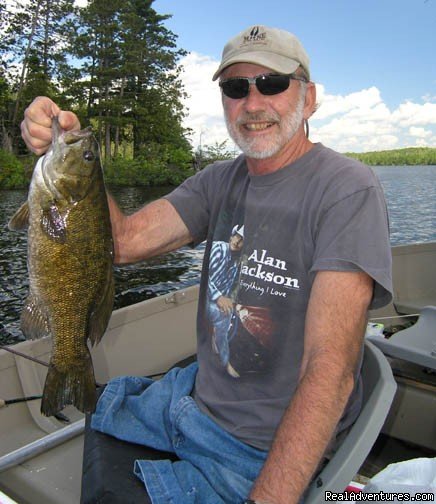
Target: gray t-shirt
<point>322,212</point>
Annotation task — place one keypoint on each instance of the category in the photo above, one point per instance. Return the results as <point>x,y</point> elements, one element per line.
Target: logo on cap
<point>255,35</point>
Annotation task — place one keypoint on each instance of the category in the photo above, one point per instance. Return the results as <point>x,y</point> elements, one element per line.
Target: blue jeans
<point>214,467</point>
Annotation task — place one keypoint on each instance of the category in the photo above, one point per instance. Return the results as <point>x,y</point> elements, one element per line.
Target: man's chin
<point>256,150</point>
<point>259,153</point>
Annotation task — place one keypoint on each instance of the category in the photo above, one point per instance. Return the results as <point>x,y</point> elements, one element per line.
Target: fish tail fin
<point>75,385</point>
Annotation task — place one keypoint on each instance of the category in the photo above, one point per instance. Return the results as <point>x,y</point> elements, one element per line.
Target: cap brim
<point>275,62</point>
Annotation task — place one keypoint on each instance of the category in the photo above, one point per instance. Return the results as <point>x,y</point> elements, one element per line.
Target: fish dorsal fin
<point>53,223</point>
<point>20,219</point>
<point>34,323</point>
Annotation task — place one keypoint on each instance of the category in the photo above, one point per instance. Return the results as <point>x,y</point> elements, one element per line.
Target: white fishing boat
<point>41,458</point>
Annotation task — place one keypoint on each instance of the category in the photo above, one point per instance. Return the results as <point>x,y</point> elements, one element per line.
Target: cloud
<point>423,142</point>
<point>332,105</point>
<point>357,122</point>
<point>429,98</point>
<point>419,132</point>
<point>204,100</point>
<point>414,114</point>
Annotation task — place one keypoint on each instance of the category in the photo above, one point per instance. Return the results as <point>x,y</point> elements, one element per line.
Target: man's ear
<point>310,104</point>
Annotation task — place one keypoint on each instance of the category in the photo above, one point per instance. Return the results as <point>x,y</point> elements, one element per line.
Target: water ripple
<point>411,197</point>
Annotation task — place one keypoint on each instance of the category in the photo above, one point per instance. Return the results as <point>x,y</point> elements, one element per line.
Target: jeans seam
<point>180,409</point>
<point>182,405</point>
<point>157,484</point>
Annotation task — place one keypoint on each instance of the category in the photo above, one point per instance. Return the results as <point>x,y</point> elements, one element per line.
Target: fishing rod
<point>38,361</point>
<point>16,352</point>
<point>16,400</point>
<point>7,402</point>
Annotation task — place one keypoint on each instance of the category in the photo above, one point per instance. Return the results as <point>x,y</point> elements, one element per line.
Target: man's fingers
<point>68,121</point>
<point>41,111</point>
<point>36,128</point>
<point>37,138</point>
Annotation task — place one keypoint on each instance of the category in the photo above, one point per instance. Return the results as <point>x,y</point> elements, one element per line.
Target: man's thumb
<point>68,120</point>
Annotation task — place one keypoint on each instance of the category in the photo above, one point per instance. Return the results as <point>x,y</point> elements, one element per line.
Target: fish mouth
<point>61,142</point>
<point>72,137</point>
<point>68,137</point>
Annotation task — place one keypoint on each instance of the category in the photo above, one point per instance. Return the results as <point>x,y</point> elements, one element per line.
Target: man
<point>315,257</point>
<point>223,273</point>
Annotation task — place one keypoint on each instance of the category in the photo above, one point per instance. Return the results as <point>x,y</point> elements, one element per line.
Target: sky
<point>373,62</point>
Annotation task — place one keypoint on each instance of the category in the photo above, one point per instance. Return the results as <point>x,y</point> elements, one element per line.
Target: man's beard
<point>261,148</point>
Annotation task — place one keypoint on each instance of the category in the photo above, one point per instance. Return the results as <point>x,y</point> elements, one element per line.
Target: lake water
<point>411,197</point>
<point>410,193</point>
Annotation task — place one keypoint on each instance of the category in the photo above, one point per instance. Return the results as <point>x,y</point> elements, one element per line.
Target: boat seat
<point>412,306</point>
<point>379,389</point>
<point>415,344</point>
<point>108,462</point>
<point>107,473</point>
<point>414,277</point>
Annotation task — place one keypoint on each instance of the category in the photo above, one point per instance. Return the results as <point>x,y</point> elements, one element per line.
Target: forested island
<point>397,157</point>
<point>117,66</point>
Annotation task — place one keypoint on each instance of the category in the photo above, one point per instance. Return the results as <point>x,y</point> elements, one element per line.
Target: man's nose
<point>255,100</point>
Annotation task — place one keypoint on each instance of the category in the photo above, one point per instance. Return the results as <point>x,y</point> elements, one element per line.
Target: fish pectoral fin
<point>74,385</point>
<point>53,223</point>
<point>102,312</point>
<point>20,219</point>
<point>34,322</point>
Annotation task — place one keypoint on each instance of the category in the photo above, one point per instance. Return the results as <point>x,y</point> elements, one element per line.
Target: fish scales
<point>70,254</point>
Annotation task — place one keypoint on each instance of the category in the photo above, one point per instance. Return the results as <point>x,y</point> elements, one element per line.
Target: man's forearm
<point>303,436</point>
<point>153,230</point>
<point>334,329</point>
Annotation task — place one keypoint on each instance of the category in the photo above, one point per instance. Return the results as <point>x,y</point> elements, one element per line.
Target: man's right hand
<point>225,304</point>
<point>36,126</point>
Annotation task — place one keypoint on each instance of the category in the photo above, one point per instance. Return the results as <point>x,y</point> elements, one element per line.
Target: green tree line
<point>397,157</point>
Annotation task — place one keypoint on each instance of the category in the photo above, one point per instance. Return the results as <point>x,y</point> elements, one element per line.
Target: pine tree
<point>131,75</point>
<point>33,49</point>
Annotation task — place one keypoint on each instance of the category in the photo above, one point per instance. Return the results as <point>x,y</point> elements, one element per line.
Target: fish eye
<point>88,156</point>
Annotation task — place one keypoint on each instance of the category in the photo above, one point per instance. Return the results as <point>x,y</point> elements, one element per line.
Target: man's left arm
<point>335,325</point>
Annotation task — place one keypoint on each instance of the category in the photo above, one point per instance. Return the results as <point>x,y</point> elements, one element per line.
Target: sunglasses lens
<point>266,84</point>
<point>272,84</point>
<point>235,88</point>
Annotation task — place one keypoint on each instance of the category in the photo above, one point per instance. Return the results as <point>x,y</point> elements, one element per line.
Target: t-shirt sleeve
<point>192,200</point>
<point>353,235</point>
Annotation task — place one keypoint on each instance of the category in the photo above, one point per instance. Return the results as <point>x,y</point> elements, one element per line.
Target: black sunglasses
<point>267,84</point>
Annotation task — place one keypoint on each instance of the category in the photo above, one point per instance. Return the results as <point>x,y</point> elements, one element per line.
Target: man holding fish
<point>315,258</point>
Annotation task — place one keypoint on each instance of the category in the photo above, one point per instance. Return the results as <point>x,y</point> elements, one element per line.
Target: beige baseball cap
<point>269,47</point>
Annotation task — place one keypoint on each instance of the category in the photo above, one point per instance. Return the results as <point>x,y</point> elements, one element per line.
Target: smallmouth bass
<point>69,260</point>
